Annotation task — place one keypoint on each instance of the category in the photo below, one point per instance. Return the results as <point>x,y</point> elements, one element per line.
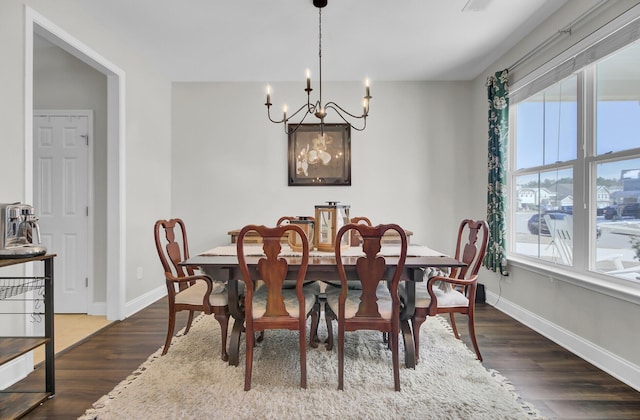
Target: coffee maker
<point>18,225</point>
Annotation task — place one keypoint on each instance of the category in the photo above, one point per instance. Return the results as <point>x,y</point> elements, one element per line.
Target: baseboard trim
<point>16,370</point>
<point>144,300</point>
<point>97,309</point>
<point>614,365</point>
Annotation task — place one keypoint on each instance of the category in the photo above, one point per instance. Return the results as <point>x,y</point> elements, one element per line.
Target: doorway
<point>63,181</point>
<point>112,303</point>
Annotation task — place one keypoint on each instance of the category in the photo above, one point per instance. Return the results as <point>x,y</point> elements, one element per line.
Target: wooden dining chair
<point>187,291</point>
<point>271,306</point>
<point>454,293</point>
<point>376,305</point>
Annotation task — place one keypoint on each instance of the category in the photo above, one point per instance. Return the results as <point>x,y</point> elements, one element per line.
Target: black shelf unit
<point>15,401</point>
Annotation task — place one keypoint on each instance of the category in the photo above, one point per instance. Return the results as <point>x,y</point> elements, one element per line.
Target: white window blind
<point>611,37</point>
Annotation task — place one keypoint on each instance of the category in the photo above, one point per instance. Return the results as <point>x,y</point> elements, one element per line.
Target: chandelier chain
<point>320,55</point>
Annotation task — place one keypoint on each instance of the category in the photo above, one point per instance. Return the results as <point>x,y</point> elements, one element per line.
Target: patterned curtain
<point>498,98</point>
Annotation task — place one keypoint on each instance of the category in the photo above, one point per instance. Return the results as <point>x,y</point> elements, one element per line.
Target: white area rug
<point>192,382</point>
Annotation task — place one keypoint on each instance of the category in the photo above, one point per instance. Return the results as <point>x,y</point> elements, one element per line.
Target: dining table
<point>221,264</point>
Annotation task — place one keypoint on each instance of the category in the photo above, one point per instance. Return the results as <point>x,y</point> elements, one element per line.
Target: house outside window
<point>574,169</point>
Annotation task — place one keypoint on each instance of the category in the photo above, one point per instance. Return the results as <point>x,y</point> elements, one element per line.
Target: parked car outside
<point>631,210</point>
<point>537,225</point>
<point>609,212</point>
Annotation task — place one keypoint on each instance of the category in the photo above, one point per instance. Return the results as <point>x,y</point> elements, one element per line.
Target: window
<point>574,170</point>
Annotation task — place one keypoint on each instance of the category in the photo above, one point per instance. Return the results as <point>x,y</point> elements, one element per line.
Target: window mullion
<point>590,171</point>
<point>580,176</point>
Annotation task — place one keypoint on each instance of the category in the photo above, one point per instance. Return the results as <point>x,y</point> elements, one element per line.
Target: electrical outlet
<point>139,273</point>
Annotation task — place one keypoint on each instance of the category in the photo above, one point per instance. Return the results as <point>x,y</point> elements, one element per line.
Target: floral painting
<point>320,155</point>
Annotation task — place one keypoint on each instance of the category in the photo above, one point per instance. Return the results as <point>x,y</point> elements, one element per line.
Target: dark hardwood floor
<point>559,384</point>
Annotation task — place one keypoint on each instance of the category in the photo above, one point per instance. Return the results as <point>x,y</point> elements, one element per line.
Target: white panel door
<point>61,199</point>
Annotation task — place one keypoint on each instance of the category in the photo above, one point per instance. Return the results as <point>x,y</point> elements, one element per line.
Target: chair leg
<point>416,322</point>
<point>249,340</point>
<point>385,340</point>
<point>453,325</point>
<point>315,321</point>
<point>234,343</point>
<point>340,356</point>
<point>303,355</point>
<point>409,346</point>
<point>329,316</point>
<point>472,333</point>
<point>396,359</point>
<point>223,320</point>
<point>170,328</point>
<point>189,321</point>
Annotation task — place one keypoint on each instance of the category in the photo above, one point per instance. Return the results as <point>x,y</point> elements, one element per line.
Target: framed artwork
<point>317,159</point>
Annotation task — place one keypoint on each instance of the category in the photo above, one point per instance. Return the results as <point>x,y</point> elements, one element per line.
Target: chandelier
<point>317,108</point>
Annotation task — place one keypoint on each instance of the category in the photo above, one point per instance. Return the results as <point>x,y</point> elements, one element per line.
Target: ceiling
<point>277,40</point>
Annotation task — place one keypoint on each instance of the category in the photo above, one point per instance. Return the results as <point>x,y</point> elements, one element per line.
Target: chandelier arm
<point>339,110</point>
<point>312,108</point>
<point>298,125</point>
<point>364,125</point>
<point>307,111</point>
<point>284,120</point>
<point>271,119</point>
<point>364,117</point>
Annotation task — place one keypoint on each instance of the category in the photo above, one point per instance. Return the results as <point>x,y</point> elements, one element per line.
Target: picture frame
<point>315,160</point>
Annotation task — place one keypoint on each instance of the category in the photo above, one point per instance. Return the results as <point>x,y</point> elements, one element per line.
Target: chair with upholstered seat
<point>187,291</point>
<point>270,305</point>
<point>454,293</point>
<point>376,304</point>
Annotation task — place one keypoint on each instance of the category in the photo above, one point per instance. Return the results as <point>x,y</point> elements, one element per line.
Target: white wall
<point>146,153</point>
<point>601,328</point>
<point>12,103</point>
<point>410,166</point>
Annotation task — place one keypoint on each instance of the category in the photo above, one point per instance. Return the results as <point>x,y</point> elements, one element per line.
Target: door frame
<point>90,192</point>
<point>114,307</point>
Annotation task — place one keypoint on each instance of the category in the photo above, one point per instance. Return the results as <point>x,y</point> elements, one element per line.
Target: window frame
<point>582,272</point>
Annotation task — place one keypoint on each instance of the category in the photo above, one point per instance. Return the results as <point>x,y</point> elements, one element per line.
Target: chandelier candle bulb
<point>284,113</point>
<point>366,84</point>
<point>308,80</point>
<point>268,95</point>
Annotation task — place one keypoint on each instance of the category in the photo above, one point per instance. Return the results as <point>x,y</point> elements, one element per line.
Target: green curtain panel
<point>498,98</point>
